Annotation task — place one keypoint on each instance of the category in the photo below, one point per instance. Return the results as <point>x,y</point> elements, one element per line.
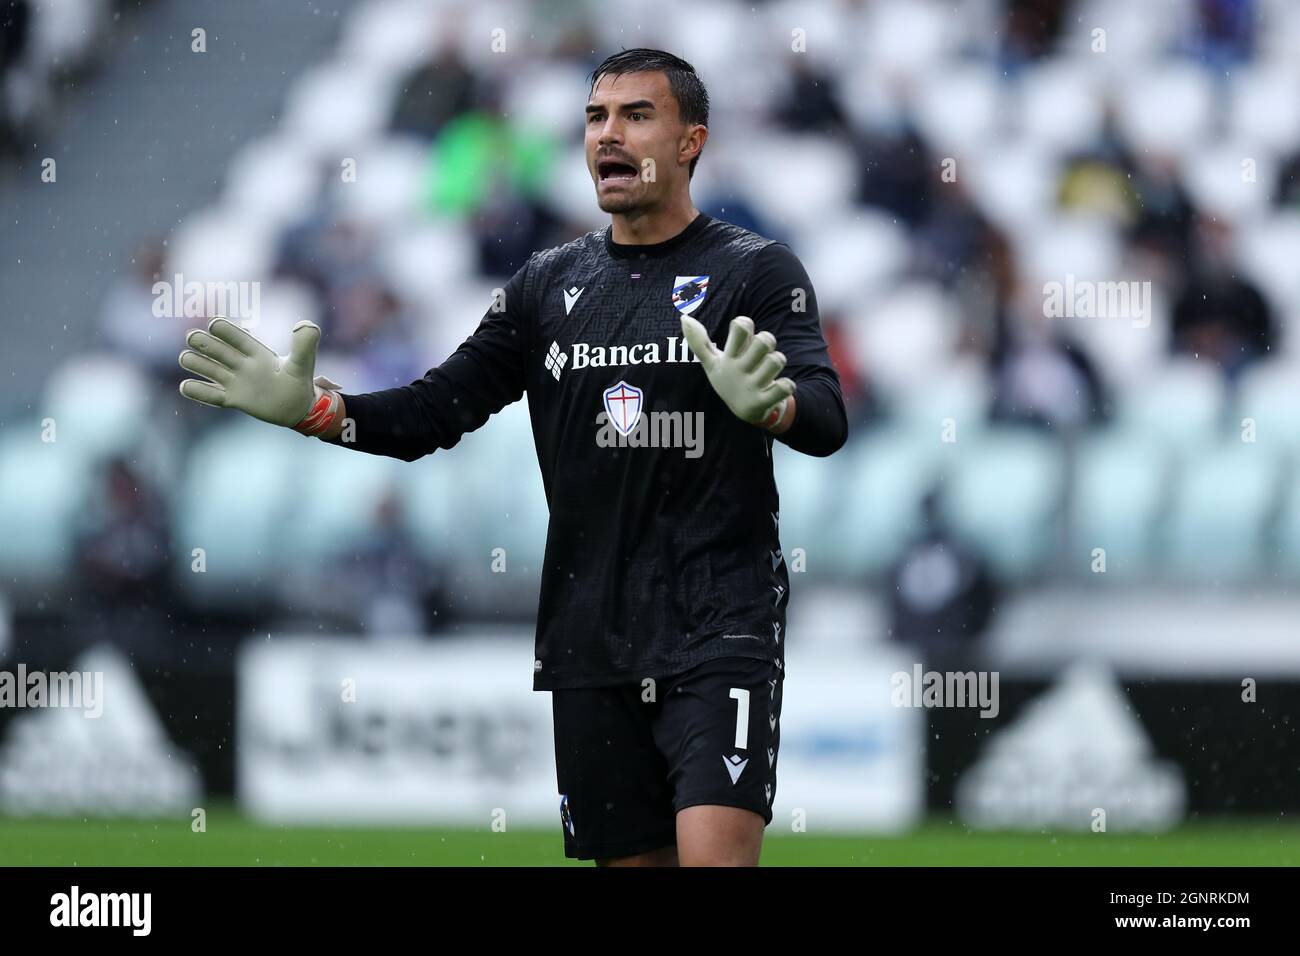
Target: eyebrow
<point>635,105</point>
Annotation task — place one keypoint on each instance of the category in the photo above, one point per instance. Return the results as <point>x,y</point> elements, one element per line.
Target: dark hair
<point>691,96</point>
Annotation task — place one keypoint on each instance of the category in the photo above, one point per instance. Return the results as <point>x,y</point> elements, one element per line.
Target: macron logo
<point>571,298</point>
<point>735,766</point>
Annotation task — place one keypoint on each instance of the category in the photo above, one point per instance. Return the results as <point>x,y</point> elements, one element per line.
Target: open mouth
<point>615,171</point>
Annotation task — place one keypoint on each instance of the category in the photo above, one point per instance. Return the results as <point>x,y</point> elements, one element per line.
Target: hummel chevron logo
<point>771,756</point>
<point>767,787</point>
<point>772,696</point>
<point>776,559</point>
<point>780,593</point>
<point>776,631</point>
<point>735,766</point>
<point>771,721</point>
<point>571,298</point>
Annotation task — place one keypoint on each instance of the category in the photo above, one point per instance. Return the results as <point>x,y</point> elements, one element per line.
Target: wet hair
<point>691,96</point>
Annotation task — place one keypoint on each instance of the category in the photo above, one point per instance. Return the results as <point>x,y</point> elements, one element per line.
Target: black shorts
<point>628,758</point>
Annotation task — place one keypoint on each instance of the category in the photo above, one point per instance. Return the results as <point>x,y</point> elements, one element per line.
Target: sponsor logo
<point>1075,749</point>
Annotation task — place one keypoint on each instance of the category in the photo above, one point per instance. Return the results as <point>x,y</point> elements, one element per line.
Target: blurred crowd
<point>492,175</point>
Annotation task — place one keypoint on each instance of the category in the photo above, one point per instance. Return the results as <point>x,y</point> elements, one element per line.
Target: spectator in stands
<point>15,40</point>
<point>1225,33</point>
<point>955,239</point>
<point>128,321</point>
<point>123,561</point>
<point>811,103</point>
<point>860,401</point>
<point>370,323</point>
<point>897,171</point>
<point>1221,316</point>
<point>397,591</point>
<point>1163,224</point>
<point>435,92</point>
<point>1033,28</point>
<point>941,593</point>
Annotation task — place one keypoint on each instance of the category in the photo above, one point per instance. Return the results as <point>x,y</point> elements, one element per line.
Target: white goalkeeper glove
<point>744,372</point>
<point>248,376</point>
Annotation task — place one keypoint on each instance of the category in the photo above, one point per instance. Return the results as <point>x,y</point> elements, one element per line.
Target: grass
<point>232,840</point>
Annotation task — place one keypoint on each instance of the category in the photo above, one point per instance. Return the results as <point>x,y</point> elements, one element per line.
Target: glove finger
<point>202,365</point>
<point>759,349</point>
<point>772,394</point>
<point>302,353</point>
<point>213,348</point>
<point>205,393</point>
<point>739,334</point>
<point>768,368</point>
<point>697,336</point>
<point>228,332</point>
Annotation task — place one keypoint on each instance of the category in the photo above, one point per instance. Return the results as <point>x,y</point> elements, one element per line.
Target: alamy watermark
<point>77,690</point>
<point>241,302</point>
<point>921,688</point>
<point>1086,299</point>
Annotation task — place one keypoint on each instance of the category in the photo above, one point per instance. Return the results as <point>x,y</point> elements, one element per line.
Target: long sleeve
<point>483,376</point>
<point>781,300</point>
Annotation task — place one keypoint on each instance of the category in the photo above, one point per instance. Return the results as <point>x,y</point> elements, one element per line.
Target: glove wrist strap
<point>324,410</point>
<point>774,416</point>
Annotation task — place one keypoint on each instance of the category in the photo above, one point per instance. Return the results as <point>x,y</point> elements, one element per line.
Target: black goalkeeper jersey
<point>663,549</point>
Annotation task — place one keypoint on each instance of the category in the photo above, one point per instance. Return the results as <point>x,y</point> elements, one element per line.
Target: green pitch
<point>232,840</point>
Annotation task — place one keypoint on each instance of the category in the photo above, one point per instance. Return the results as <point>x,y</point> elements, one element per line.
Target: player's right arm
<point>483,375</point>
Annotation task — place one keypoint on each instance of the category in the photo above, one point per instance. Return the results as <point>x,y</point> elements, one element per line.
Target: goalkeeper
<point>661,620</point>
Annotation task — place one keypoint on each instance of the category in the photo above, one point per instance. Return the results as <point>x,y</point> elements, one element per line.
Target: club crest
<point>623,406</point>
<point>689,293</point>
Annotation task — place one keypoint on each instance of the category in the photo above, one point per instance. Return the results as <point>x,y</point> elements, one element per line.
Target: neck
<point>643,227</point>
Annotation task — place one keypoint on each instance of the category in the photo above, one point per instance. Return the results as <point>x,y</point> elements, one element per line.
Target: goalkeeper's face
<point>638,148</point>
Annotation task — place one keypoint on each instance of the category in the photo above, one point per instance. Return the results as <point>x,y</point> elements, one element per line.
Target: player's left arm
<point>779,298</point>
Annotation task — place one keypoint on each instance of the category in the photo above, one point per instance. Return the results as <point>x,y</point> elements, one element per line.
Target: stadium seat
<point>335,109</point>
<point>1058,104</point>
<point>43,487</point>
<point>1221,185</point>
<point>391,185</point>
<point>1180,407</point>
<point>1119,486</point>
<point>1267,252</point>
<point>855,257</point>
<point>1012,181</point>
<point>906,37</point>
<point>1218,512</point>
<point>1165,109</point>
<point>776,179</point>
<point>1270,396</point>
<point>1055,248</point>
<point>959,389</point>
<point>100,404</point>
<point>906,339</point>
<point>959,107</point>
<point>221,245</point>
<point>393,35</point>
<point>272,181</point>
<point>426,262</point>
<point>353,481</point>
<point>1265,106</point>
<point>243,467</point>
<point>879,487</point>
<point>1002,493</point>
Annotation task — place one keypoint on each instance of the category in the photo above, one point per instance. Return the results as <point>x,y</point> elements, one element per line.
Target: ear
<point>693,142</point>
